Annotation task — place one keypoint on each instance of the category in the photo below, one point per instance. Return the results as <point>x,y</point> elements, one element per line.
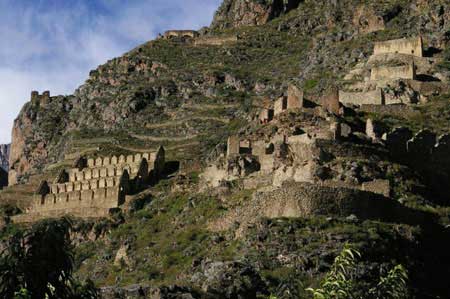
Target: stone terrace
<point>94,186</point>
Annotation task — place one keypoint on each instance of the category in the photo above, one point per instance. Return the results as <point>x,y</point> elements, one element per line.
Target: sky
<point>53,44</point>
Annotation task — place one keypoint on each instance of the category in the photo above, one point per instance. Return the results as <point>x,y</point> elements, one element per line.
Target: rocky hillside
<point>239,13</point>
<point>313,45</point>
<point>223,227</point>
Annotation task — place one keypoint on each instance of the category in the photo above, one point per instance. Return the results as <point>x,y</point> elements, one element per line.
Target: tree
<point>38,263</point>
<point>339,283</point>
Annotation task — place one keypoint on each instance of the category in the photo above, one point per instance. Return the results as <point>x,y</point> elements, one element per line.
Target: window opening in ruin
<point>270,149</point>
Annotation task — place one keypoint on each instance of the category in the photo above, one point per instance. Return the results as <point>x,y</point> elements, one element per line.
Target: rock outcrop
<point>236,13</point>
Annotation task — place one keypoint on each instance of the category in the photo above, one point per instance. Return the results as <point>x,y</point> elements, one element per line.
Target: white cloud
<point>47,45</point>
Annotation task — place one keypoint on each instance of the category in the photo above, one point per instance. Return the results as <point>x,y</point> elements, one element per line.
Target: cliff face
<point>36,131</point>
<point>236,13</point>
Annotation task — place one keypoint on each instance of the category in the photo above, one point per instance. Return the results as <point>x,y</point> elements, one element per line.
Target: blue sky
<point>53,44</point>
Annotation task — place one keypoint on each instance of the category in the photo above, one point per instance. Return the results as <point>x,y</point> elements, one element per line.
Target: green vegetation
<point>339,282</point>
<point>164,237</point>
<point>38,263</point>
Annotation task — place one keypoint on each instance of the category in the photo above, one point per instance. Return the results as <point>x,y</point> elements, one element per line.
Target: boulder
<point>230,280</point>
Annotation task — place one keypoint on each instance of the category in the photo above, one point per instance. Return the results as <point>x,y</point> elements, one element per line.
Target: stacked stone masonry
<point>93,188</point>
<point>393,72</point>
<point>373,97</point>
<point>37,99</point>
<point>410,46</point>
<point>386,72</point>
<point>180,33</point>
<point>330,101</point>
<point>215,41</point>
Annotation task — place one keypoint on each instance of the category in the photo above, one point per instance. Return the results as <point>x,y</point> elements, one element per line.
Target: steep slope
<point>315,45</point>
<point>230,240</point>
<point>246,13</point>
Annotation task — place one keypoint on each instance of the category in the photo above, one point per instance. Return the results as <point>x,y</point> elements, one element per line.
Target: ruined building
<point>180,33</point>
<point>293,100</point>
<point>42,100</point>
<point>396,73</point>
<point>409,46</point>
<point>94,186</point>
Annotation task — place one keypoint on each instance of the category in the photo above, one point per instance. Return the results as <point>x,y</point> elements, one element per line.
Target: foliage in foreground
<point>339,283</point>
<point>38,263</point>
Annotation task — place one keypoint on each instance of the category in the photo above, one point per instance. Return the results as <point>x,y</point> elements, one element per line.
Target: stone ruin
<point>408,46</point>
<point>42,100</point>
<point>215,40</point>
<point>374,97</point>
<point>93,187</point>
<point>288,154</point>
<point>330,101</point>
<point>293,100</point>
<point>407,72</point>
<point>377,82</point>
<point>269,162</point>
<point>180,33</point>
<point>200,39</point>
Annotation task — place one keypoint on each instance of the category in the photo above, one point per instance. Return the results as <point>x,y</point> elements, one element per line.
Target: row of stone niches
<point>76,196</point>
<point>86,185</point>
<point>114,160</point>
<point>76,175</point>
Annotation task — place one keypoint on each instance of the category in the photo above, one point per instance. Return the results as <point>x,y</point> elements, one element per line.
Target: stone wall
<point>393,72</point>
<point>100,185</point>
<point>215,40</point>
<point>410,46</point>
<point>330,101</point>
<point>42,100</point>
<point>382,187</point>
<point>107,197</point>
<point>180,33</point>
<point>294,97</point>
<point>265,116</point>
<point>306,200</point>
<point>398,110</point>
<point>374,97</point>
<point>280,105</point>
<point>233,146</point>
